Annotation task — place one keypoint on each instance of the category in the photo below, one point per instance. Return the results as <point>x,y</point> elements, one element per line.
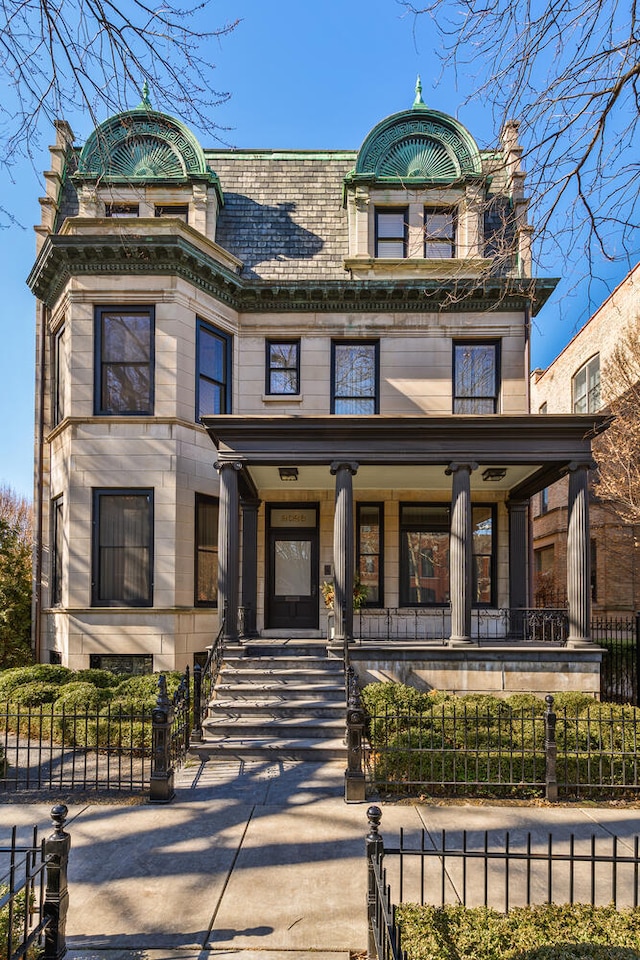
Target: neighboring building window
<point>57,547</point>
<point>206,548</point>
<point>439,233</point>
<point>546,588</point>
<point>475,377</point>
<point>59,379</point>
<point>585,387</point>
<point>483,527</point>
<point>122,548</point>
<point>542,410</point>
<point>124,361</point>
<point>391,232</point>
<point>283,366</point>
<point>424,554</point>
<point>594,571</point>
<point>369,551</point>
<point>544,500</point>
<point>354,377</point>
<point>181,211</point>
<point>122,210</point>
<point>213,375</point>
<point>132,664</point>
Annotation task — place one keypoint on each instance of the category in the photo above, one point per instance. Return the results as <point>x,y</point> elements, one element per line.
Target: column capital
<point>350,465</point>
<point>581,465</point>
<point>514,505</point>
<point>454,466</point>
<point>220,465</point>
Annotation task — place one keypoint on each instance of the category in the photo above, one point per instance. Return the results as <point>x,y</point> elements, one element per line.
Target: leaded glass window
<point>354,377</point>
<point>475,378</point>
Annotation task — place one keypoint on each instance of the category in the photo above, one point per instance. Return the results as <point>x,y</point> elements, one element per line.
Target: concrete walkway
<point>252,860</point>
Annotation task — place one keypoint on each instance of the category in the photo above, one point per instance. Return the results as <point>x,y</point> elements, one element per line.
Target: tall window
<point>124,360</point>
<point>57,544</point>
<point>369,551</point>
<point>424,554</point>
<point>213,374</point>
<point>206,548</point>
<point>439,233</point>
<point>122,548</point>
<point>59,378</point>
<point>391,232</point>
<point>475,377</point>
<point>354,377</point>
<point>585,387</point>
<point>283,367</point>
<point>544,500</point>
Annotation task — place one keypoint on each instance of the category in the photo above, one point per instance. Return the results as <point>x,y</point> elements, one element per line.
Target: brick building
<point>575,382</point>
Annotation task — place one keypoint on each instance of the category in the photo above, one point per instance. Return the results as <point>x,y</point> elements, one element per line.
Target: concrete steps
<point>277,699</point>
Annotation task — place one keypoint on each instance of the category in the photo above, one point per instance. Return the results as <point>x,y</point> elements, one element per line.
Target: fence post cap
<point>549,701</point>
<point>374,816</point>
<point>58,816</point>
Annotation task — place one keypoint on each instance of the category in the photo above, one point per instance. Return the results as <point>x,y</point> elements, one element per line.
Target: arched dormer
<point>144,163</point>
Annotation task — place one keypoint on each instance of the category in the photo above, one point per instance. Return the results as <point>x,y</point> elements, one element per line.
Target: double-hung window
<point>439,233</point>
<point>354,376</point>
<point>122,548</point>
<point>476,377</point>
<point>124,360</point>
<point>283,367</point>
<point>206,551</point>
<point>213,373</point>
<point>585,387</point>
<point>391,232</point>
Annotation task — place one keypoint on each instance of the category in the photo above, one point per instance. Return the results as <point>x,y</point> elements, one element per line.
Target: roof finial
<point>145,103</point>
<point>419,102</point>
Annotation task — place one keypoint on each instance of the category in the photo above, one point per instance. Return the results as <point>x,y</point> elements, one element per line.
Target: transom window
<point>391,232</point>
<point>122,548</point>
<point>122,210</point>
<point>213,373</point>
<point>124,360</point>
<point>354,377</point>
<point>439,233</point>
<point>475,378</point>
<point>586,387</point>
<point>283,367</point>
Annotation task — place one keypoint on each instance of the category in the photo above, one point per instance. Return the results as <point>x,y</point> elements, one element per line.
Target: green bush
<point>99,678</point>
<point>42,672</point>
<point>546,932</point>
<point>36,693</point>
<point>573,702</point>
<point>80,697</point>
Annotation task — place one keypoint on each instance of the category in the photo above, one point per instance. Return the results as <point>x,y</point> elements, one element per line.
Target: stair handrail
<point>354,777</point>
<point>204,680</point>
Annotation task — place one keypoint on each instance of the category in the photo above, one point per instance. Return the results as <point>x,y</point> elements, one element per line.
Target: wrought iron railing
<point>204,681</point>
<point>530,625</point>
<point>497,870</point>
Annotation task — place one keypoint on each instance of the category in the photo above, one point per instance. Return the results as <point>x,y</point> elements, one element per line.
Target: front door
<point>292,572</point>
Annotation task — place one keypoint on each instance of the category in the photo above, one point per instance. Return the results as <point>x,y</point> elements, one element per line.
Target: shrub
<point>81,697</point>
<point>43,672</point>
<point>573,702</point>
<point>99,678</point>
<point>34,694</point>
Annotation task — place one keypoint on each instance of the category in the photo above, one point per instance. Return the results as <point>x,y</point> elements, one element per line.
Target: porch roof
<point>536,450</point>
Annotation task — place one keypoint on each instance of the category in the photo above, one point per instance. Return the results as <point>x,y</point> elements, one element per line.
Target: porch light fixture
<point>288,474</point>
<point>493,474</point>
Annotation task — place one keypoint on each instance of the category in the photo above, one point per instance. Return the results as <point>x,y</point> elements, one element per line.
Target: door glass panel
<point>292,568</point>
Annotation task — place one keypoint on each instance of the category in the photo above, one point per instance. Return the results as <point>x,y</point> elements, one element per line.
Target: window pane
<point>126,372</point>
<point>212,372</point>
<point>292,568</point>
<point>475,370</point>
<point>126,388</point>
<point>283,368</point>
<point>482,527</point>
<point>355,378</point>
<point>206,550</point>
<point>391,249</point>
<point>391,224</point>
<point>438,226</point>
<point>426,570</point>
<point>124,548</point>
<point>437,251</point>
<point>355,406</point>
<point>211,398</point>
<point>369,547</point>
<point>212,355</point>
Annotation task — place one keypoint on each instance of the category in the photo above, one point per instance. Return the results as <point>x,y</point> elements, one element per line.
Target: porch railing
<point>530,624</point>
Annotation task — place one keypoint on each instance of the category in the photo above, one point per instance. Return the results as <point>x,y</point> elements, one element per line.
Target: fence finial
<point>374,816</point>
<point>58,817</point>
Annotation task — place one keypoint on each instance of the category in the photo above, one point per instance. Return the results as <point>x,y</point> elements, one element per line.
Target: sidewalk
<point>252,860</point>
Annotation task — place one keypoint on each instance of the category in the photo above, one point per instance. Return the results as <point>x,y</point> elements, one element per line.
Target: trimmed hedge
<point>546,932</point>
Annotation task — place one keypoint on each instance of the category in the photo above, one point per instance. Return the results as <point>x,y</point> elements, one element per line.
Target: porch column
<point>518,529</point>
<point>343,549</point>
<point>460,552</point>
<point>228,547</point>
<point>579,555</point>
<point>249,565</point>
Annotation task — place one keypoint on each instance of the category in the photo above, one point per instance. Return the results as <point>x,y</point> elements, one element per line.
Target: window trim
<point>227,339</point>
<point>376,398</point>
<point>453,243</point>
<point>404,210</point>
<point>587,393</point>
<point>202,498</point>
<point>99,313</point>
<point>497,374</point>
<point>269,342</point>
<point>98,492</point>
<point>380,505</point>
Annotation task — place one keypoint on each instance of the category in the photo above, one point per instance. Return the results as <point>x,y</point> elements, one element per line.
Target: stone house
<point>575,382</point>
<point>259,371</point>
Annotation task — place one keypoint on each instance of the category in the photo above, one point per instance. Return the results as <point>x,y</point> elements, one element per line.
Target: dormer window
<point>391,232</point>
<point>181,211</point>
<point>122,210</point>
<point>439,233</point>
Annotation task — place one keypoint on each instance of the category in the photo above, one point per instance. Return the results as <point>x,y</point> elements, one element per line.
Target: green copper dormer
<point>144,146</point>
<point>417,147</point>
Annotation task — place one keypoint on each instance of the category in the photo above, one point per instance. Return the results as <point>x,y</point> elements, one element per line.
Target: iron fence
<point>433,624</point>
<point>619,671</point>
<point>33,893</point>
<point>204,680</point>
<point>459,749</point>
<point>491,870</point>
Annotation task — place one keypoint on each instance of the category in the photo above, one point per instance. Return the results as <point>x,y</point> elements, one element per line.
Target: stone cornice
<point>65,256</point>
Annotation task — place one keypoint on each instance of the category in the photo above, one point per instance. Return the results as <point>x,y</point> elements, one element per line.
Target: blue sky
<point>301,75</point>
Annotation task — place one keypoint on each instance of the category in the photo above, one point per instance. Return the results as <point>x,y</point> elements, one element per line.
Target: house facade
<point>578,380</point>
<point>261,372</point>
